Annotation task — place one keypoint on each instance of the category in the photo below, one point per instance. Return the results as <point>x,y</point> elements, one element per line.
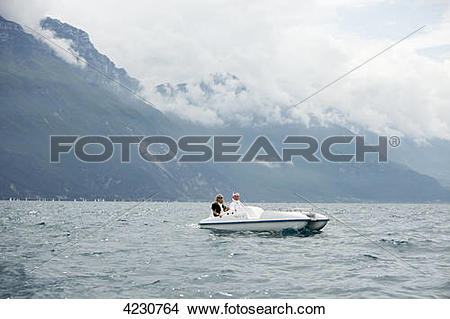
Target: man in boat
<point>218,207</point>
<point>236,203</point>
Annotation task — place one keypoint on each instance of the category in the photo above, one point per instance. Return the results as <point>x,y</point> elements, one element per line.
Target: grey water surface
<point>157,251</point>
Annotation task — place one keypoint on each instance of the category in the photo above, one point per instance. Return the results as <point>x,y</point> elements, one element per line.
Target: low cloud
<point>281,53</point>
<point>61,47</point>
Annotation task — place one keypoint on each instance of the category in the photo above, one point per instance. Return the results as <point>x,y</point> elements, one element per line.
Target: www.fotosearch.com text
<point>219,148</point>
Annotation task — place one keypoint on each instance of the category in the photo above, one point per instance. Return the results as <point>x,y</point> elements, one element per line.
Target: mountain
<point>81,45</point>
<point>325,181</point>
<point>430,158</point>
<point>41,94</point>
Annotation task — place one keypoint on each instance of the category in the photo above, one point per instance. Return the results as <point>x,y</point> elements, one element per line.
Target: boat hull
<point>317,224</point>
<point>253,218</point>
<point>256,225</point>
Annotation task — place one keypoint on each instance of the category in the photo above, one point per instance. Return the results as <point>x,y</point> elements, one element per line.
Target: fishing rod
<point>361,234</point>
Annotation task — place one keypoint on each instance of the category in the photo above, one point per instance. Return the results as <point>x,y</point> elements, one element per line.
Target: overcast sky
<point>283,51</point>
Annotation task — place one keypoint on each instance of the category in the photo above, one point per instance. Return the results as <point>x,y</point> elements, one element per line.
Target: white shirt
<point>236,204</point>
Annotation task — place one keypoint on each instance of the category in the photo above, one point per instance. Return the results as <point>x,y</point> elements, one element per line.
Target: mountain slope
<point>41,95</point>
<point>81,45</point>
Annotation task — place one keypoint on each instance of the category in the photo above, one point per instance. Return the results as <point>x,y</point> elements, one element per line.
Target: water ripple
<point>159,251</point>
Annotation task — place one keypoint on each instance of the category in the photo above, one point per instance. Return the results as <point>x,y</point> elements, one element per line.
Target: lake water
<point>157,251</point>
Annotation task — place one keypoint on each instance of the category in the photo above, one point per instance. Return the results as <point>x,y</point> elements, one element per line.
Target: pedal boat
<point>252,218</point>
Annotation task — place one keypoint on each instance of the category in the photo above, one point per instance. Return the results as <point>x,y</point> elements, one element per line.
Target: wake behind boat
<point>252,218</point>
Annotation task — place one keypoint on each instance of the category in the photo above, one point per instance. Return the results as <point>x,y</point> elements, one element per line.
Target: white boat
<point>251,218</point>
